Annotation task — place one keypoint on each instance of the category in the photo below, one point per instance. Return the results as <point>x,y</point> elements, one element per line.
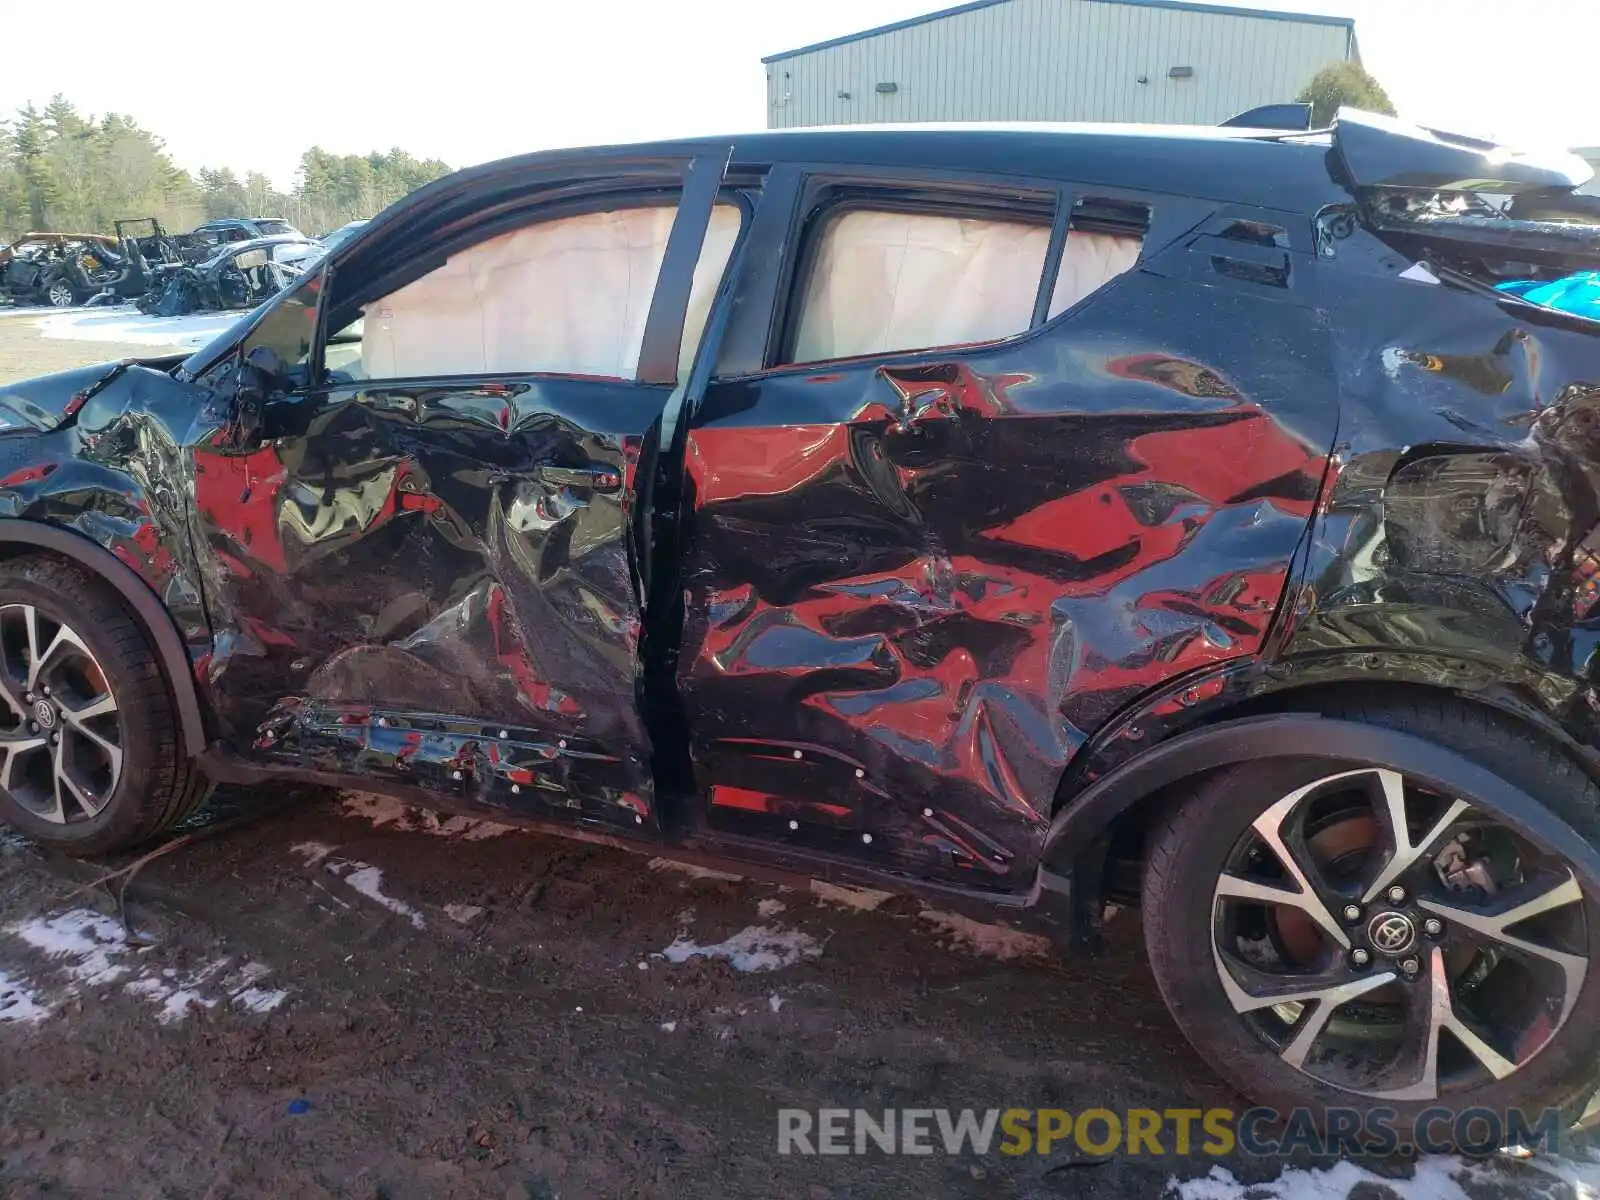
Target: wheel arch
<point>18,538</point>
<point>1083,825</point>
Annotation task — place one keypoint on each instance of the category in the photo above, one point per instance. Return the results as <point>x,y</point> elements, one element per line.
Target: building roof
<point>975,5</point>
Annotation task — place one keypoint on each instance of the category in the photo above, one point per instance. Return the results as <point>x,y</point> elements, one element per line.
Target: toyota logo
<point>44,713</point>
<point>1391,933</point>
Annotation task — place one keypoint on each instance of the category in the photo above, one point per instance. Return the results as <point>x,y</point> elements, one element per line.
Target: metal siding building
<point>1057,60</point>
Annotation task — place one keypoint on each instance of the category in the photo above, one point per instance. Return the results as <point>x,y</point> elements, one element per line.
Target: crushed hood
<point>48,401</point>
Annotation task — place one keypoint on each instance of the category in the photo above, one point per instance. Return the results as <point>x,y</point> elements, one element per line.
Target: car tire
<point>115,772</point>
<point>1195,919</point>
<point>59,293</point>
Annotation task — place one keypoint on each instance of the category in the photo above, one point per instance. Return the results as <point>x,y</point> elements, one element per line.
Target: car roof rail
<point>1295,118</point>
<point>1383,152</point>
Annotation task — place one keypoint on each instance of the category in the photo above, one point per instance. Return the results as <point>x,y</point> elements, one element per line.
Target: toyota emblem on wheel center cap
<point>44,712</point>
<point>1391,933</point>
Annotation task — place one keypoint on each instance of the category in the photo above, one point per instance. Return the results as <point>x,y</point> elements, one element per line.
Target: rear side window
<point>1090,261</point>
<point>883,281</point>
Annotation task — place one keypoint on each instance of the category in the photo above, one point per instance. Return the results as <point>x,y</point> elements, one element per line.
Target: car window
<point>882,281</point>
<point>564,296</point>
<point>270,228</point>
<point>1089,262</point>
<point>289,327</point>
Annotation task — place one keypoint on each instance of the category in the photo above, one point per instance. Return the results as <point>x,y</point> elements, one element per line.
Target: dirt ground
<point>23,354</point>
<point>336,996</point>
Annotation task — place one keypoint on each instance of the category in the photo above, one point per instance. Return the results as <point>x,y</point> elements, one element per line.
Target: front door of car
<point>991,461</point>
<point>425,557</point>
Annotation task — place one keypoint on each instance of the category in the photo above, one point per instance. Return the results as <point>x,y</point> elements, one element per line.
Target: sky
<point>470,80</point>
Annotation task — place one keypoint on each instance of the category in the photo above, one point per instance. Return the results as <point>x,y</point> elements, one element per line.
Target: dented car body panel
<point>447,604</point>
<point>911,607</point>
<point>877,617</point>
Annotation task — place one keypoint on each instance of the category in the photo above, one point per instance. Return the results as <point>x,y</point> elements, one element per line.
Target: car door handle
<point>594,479</point>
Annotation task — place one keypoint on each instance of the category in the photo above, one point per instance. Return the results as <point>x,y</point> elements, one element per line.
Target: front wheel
<point>1329,934</point>
<point>59,293</point>
<point>90,756</point>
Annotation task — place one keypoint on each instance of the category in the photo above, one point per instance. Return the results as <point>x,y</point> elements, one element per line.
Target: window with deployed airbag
<point>567,296</point>
<point>1089,262</point>
<point>883,281</point>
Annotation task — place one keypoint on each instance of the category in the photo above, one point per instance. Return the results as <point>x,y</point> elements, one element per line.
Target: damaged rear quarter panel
<point>1462,518</point>
<point>914,591</point>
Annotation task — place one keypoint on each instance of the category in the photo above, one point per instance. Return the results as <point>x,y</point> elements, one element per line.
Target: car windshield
<point>269,228</point>
<point>343,234</point>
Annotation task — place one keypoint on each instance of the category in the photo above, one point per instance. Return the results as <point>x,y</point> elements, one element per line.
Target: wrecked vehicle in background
<point>205,240</point>
<point>239,275</point>
<point>1026,518</point>
<point>244,229</point>
<point>341,235</point>
<point>34,268</point>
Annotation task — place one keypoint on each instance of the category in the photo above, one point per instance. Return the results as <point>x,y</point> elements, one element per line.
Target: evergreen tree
<point>1343,84</point>
<point>61,169</point>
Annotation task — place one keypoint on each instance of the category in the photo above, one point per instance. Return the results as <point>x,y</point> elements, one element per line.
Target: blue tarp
<point>1578,294</point>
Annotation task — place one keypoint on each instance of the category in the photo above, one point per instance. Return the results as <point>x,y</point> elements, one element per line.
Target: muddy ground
<point>334,996</point>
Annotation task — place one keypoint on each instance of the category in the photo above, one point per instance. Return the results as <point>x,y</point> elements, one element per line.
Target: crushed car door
<point>992,460</point>
<point>425,565</point>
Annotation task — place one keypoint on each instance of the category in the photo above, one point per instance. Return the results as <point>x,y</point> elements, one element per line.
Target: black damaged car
<point>1026,518</point>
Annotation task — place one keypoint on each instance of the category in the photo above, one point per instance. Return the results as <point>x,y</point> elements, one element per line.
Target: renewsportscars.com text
<point>1149,1132</point>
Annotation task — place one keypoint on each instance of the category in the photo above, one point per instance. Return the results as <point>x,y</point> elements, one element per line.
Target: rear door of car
<point>426,566</point>
<point>983,460</point>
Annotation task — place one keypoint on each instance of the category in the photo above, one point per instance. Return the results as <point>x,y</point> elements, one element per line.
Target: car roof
<point>1263,167</point>
<point>276,239</point>
<point>222,222</point>
<point>1223,164</point>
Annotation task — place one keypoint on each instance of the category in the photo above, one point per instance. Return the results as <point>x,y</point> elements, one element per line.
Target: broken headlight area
<point>1456,514</point>
<point>1549,258</point>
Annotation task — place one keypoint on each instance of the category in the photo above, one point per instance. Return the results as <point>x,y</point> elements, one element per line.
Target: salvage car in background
<point>226,231</point>
<point>341,235</point>
<point>239,275</point>
<point>32,268</point>
<point>1021,517</point>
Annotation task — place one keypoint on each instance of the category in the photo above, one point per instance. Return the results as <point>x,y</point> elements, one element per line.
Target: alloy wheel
<point>1391,941</point>
<point>60,728</point>
<point>59,294</point>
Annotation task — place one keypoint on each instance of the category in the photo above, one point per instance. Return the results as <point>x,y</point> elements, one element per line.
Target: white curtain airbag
<point>885,281</point>
<point>715,251</point>
<point>568,296</point>
<point>1090,261</point>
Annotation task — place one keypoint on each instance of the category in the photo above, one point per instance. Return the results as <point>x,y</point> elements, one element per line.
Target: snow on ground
<point>84,945</point>
<point>1442,1178</point>
<point>90,950</point>
<point>846,896</point>
<point>128,326</point>
<point>754,948</point>
<point>385,810</point>
<point>18,1002</point>
<point>362,877</point>
<point>996,941</point>
<point>368,881</point>
<point>692,870</point>
<point>20,311</point>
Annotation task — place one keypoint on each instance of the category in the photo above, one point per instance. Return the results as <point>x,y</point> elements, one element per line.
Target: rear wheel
<point>1337,935</point>
<point>90,756</point>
